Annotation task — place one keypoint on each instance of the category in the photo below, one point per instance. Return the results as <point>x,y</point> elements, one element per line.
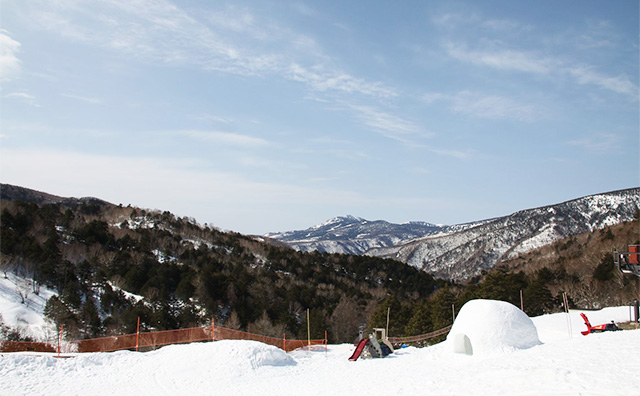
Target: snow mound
<point>487,326</point>
<point>234,355</point>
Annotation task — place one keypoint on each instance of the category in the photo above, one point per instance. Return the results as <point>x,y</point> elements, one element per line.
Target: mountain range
<point>353,235</point>
<point>460,252</point>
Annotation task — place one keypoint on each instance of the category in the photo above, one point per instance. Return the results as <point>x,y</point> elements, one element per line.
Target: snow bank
<point>488,326</point>
<point>246,355</point>
<point>226,357</point>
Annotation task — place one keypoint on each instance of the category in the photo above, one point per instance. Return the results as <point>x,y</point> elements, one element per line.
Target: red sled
<point>599,328</point>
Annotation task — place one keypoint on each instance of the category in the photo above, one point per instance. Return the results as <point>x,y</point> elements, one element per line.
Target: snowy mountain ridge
<point>460,252</point>
<point>353,235</point>
<point>467,253</point>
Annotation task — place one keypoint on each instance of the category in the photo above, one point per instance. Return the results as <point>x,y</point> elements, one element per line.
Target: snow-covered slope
<point>597,364</point>
<point>22,309</point>
<point>353,235</point>
<point>463,254</point>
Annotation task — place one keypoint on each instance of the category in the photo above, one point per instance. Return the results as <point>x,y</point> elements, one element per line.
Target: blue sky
<point>277,115</point>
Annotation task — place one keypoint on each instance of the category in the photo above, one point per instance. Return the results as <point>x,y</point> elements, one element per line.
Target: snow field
<point>597,364</point>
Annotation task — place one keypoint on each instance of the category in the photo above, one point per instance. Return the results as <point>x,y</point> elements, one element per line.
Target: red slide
<point>359,348</point>
<point>586,322</point>
<point>598,328</point>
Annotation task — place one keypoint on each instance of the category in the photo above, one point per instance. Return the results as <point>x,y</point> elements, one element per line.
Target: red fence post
<point>325,342</point>
<point>213,329</point>
<point>60,339</point>
<point>138,334</point>
<point>284,342</point>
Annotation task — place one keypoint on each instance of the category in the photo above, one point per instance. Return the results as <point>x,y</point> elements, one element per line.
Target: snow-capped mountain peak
<point>462,251</point>
<point>353,235</point>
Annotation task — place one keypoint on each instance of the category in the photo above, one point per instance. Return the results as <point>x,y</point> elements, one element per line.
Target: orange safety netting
<point>23,346</point>
<point>151,340</point>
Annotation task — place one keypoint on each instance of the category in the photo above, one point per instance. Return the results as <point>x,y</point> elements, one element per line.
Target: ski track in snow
<point>597,364</point>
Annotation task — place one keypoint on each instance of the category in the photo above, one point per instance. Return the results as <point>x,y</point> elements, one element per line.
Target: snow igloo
<point>488,326</point>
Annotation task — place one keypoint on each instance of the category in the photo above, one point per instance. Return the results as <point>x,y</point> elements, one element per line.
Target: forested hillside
<point>583,266</point>
<point>111,264</point>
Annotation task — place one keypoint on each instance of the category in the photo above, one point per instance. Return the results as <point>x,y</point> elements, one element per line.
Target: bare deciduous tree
<point>233,321</point>
<point>6,264</point>
<point>265,327</point>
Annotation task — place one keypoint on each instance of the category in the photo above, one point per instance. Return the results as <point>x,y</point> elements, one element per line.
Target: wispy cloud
<point>320,79</point>
<point>504,25</point>
<point>24,97</point>
<point>620,84</point>
<point>226,138</point>
<point>387,124</point>
<point>215,118</point>
<point>459,154</point>
<point>598,35</point>
<point>83,98</point>
<point>531,62</point>
<point>10,65</point>
<point>600,143</point>
<point>234,40</point>
<point>503,59</point>
<point>495,107</point>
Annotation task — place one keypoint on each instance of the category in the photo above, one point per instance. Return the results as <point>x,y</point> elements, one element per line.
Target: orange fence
<point>155,339</point>
<point>19,346</point>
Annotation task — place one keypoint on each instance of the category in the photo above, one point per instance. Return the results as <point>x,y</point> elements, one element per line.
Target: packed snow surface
<point>565,363</point>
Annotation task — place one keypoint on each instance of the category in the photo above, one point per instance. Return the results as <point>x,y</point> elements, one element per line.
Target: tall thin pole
<point>60,339</point>
<point>521,301</point>
<point>453,312</point>
<point>325,343</point>
<point>388,314</point>
<point>308,330</point>
<point>566,309</point>
<point>138,334</point>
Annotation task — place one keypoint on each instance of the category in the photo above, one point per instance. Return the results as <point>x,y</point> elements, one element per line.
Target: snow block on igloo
<point>487,326</point>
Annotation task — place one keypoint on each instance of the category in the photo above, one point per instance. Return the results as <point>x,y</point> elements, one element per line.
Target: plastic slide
<point>598,328</point>
<point>359,348</point>
<point>586,322</point>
